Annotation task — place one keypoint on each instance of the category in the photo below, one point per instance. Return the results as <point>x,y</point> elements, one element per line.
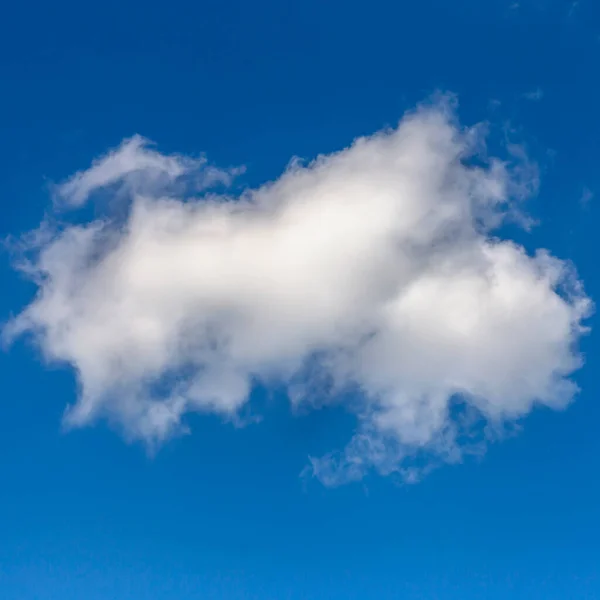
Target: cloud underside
<point>370,278</point>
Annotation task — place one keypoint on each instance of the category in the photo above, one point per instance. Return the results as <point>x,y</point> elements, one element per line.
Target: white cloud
<point>135,168</point>
<point>574,6</point>
<point>373,270</point>
<point>535,95</point>
<point>586,197</point>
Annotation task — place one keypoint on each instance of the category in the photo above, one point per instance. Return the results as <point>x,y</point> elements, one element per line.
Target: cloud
<point>586,197</point>
<point>133,168</point>
<point>370,277</point>
<point>535,95</point>
<point>573,7</point>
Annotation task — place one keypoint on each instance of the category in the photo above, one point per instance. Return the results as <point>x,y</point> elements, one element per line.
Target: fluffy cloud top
<point>372,270</point>
<point>134,167</point>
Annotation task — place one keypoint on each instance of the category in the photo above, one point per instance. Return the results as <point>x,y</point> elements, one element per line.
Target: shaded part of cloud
<point>135,168</point>
<point>534,95</point>
<point>373,270</point>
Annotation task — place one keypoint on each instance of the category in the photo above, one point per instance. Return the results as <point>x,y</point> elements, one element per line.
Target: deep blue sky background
<point>222,513</point>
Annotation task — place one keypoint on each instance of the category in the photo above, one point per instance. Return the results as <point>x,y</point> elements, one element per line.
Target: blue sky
<point>158,483</point>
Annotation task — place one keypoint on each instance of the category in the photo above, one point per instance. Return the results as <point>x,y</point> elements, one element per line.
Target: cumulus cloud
<point>134,168</point>
<point>370,277</point>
